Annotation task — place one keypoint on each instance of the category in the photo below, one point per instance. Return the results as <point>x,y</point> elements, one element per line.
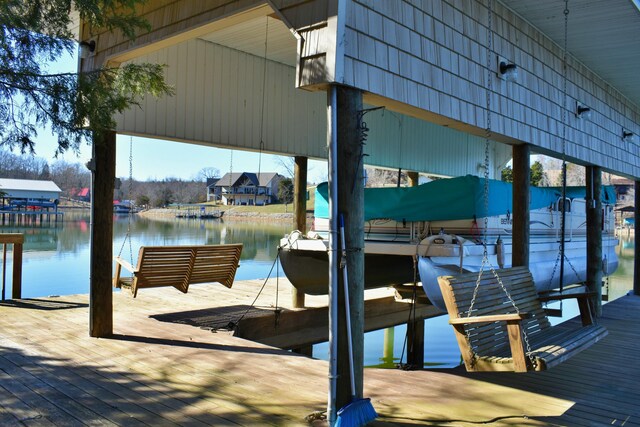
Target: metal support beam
<point>103,168</point>
<point>521,199</point>
<point>594,235</point>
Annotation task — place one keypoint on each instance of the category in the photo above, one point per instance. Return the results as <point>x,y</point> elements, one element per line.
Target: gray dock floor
<point>162,374</point>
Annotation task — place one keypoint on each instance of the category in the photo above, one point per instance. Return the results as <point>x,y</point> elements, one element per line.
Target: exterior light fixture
<point>582,111</point>
<point>628,136</point>
<point>507,70</point>
<point>87,48</point>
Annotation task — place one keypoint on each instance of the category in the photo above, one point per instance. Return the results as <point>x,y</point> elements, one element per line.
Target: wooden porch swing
<point>497,315</point>
<point>177,266</point>
<point>507,328</point>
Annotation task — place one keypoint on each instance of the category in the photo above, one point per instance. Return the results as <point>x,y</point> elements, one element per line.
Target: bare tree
<point>22,166</point>
<point>287,164</point>
<point>384,177</point>
<point>553,169</point>
<point>207,173</point>
<point>69,176</point>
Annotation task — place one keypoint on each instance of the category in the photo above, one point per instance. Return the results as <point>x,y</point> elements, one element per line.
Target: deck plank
<point>161,373</point>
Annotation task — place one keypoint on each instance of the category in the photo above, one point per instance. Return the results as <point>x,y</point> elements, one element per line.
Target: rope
<point>232,325</point>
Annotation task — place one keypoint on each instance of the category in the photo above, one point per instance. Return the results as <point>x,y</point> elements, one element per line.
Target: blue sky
<point>159,159</point>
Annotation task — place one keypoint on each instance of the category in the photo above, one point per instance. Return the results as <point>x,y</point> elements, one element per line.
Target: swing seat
<point>493,338</point>
<point>179,266</point>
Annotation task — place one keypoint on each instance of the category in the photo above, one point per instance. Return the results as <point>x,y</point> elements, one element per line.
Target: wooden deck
<point>156,372</point>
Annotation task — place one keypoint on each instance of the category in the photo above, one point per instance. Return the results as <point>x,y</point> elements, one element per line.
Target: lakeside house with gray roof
<point>244,188</point>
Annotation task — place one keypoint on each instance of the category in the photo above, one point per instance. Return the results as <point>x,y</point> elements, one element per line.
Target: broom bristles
<point>356,414</point>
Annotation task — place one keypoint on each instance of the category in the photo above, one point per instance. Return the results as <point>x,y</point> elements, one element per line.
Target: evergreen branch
<point>35,32</point>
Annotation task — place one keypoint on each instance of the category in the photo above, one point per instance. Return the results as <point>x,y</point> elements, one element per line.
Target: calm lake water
<point>56,257</point>
<point>56,262</point>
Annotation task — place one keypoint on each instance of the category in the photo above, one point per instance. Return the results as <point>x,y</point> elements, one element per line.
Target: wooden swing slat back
<point>179,266</point>
<point>492,339</point>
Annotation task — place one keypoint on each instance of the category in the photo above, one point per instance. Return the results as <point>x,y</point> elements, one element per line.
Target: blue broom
<point>358,412</point>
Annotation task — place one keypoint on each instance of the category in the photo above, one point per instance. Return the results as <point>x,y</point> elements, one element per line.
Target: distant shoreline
<point>229,214</point>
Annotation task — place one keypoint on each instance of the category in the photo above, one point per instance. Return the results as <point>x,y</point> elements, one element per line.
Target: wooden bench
<point>179,266</point>
<point>492,338</point>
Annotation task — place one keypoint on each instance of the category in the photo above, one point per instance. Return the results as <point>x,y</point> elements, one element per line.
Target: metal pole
<point>333,253</point>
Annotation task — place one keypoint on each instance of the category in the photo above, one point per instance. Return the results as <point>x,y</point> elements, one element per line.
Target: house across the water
<point>244,188</point>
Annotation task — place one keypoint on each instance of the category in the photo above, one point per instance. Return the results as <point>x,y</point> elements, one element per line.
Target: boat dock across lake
<point>171,362</point>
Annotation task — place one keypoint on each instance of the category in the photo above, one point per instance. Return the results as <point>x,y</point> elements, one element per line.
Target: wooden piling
<point>103,180</point>
<point>413,178</point>
<point>594,235</point>
<point>17,269</point>
<point>17,240</point>
<point>299,213</point>
<point>415,327</point>
<point>521,197</point>
<point>415,343</point>
<point>351,205</point>
<point>636,250</point>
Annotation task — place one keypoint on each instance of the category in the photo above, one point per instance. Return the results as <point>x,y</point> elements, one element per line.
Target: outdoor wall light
<point>87,48</point>
<point>582,111</point>
<point>628,136</point>
<point>507,70</point>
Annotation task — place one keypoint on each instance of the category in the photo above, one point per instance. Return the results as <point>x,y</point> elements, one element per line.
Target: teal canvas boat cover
<point>450,199</point>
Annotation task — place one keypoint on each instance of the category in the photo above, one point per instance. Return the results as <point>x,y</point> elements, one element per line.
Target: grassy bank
<point>275,212</point>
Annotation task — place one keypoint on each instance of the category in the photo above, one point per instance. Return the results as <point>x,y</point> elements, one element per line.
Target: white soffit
<point>249,37</point>
<point>602,34</point>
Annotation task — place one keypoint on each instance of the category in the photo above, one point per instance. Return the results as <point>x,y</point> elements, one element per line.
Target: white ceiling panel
<point>250,37</point>
<point>602,34</point>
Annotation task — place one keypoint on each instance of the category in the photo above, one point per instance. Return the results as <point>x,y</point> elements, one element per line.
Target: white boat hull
<point>448,246</point>
<point>544,263</point>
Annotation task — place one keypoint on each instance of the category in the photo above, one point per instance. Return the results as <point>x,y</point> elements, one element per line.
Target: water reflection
<point>56,256</point>
<point>387,348</point>
<point>621,281</point>
<point>56,262</point>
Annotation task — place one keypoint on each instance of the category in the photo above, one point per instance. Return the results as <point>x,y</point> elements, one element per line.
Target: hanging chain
<point>264,90</point>
<point>561,250</point>
<point>564,107</point>
<point>485,258</point>
<point>488,130</point>
<point>555,267</point>
<point>264,76</point>
<point>127,236</point>
<point>229,192</point>
<point>130,197</point>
